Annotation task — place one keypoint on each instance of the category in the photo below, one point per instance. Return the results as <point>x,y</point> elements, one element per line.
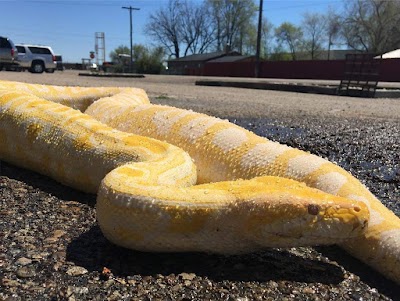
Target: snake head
<point>328,222</point>
<point>292,214</point>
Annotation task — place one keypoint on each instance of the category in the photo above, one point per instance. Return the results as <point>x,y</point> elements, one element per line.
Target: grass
<point>162,96</point>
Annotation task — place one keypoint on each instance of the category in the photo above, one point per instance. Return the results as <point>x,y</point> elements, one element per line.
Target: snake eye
<point>313,209</point>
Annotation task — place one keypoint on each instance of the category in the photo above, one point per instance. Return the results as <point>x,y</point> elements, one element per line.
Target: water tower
<point>100,48</point>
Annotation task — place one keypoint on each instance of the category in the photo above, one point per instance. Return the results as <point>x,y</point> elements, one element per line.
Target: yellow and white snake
<point>228,191</point>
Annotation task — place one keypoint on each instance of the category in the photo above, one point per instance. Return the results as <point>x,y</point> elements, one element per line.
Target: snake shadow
<point>45,184</point>
<point>92,251</point>
<point>365,272</point>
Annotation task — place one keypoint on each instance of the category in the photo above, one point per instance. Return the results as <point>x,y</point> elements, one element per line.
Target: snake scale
<point>169,179</point>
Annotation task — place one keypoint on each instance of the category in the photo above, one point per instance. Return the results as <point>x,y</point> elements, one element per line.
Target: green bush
<point>145,60</point>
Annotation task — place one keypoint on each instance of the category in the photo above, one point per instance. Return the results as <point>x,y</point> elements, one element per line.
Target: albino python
<point>244,193</point>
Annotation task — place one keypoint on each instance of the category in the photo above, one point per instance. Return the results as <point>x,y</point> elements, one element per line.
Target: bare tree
<point>231,20</point>
<point>182,27</point>
<point>196,30</point>
<point>267,35</point>
<point>372,25</point>
<point>333,26</point>
<point>164,24</point>
<point>313,27</point>
<point>291,35</point>
<point>246,42</point>
<point>248,38</point>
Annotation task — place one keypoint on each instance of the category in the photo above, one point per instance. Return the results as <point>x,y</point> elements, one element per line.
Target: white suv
<point>36,58</point>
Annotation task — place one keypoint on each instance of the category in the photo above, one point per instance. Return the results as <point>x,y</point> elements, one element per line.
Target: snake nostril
<point>357,209</point>
<point>313,209</point>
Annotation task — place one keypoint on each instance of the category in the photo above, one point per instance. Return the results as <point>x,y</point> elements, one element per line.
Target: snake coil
<point>242,193</point>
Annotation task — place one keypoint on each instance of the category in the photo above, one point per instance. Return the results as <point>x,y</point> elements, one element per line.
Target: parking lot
<point>181,91</point>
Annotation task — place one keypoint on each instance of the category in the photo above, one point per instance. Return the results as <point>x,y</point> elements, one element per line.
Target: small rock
<point>26,272</point>
<point>9,282</point>
<point>187,276</point>
<point>121,280</point>
<point>106,273</point>
<point>71,298</point>
<point>59,255</point>
<point>77,271</point>
<point>308,290</point>
<point>57,265</point>
<point>162,285</point>
<point>38,256</point>
<point>23,261</point>
<point>108,283</point>
<point>78,290</point>
<point>55,237</point>
<point>51,240</point>
<point>115,296</point>
<point>295,292</point>
<point>58,233</point>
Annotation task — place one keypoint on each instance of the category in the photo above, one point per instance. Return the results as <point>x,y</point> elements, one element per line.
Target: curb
<point>126,75</point>
<point>293,87</point>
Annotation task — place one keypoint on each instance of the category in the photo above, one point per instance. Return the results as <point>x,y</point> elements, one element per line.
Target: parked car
<point>8,53</point>
<point>36,58</point>
<point>59,63</point>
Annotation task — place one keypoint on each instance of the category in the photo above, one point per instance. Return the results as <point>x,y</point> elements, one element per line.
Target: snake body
<point>251,193</point>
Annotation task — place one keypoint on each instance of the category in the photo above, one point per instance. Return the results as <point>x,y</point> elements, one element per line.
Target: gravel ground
<point>52,249</point>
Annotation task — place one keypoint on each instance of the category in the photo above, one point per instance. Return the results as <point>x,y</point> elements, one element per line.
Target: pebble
<point>77,271</point>
<point>9,282</point>
<point>26,272</point>
<point>23,261</point>
<point>80,290</point>
<point>273,284</point>
<point>308,290</point>
<point>58,233</point>
<point>115,296</point>
<point>187,276</point>
<point>108,283</point>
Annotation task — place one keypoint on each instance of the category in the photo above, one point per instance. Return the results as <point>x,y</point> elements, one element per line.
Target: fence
<point>389,69</point>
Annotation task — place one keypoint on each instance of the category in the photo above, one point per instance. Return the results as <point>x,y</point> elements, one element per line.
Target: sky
<point>69,26</point>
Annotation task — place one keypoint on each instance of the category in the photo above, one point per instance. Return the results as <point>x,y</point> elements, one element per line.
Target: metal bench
<point>361,75</point>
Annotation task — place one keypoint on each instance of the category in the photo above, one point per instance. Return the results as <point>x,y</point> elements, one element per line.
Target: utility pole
<point>130,16</point>
<point>257,70</point>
